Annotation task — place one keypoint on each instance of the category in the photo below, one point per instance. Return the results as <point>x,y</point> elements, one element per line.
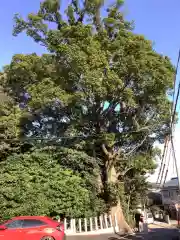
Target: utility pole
<point>173,112</point>
<point>175,161</point>
<point>177,205</point>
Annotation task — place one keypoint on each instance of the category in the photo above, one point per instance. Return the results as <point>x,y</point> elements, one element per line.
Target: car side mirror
<point>2,227</point>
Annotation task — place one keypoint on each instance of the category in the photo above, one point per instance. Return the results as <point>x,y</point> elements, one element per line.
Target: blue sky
<point>158,20</point>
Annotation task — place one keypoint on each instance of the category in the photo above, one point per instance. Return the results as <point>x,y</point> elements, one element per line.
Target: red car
<point>31,228</point>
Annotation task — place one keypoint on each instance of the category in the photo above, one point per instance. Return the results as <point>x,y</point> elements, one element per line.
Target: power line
<point>162,159</point>
<point>175,161</point>
<point>167,170</point>
<point>178,92</point>
<point>173,113</point>
<point>66,137</point>
<point>174,167</point>
<point>165,160</point>
<point>173,125</point>
<point>29,138</point>
<point>175,78</point>
<point>144,130</point>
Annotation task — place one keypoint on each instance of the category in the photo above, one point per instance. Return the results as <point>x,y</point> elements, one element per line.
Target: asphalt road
<point>155,234</point>
<point>163,234</point>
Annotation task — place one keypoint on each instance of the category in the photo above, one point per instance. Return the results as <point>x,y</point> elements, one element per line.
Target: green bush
<point>36,184</point>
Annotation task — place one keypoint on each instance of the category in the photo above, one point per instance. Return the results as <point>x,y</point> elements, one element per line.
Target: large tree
<point>99,81</point>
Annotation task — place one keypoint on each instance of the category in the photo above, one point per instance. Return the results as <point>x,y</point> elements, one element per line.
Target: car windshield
<point>150,215</point>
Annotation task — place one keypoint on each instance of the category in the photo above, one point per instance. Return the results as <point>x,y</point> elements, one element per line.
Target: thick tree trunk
<point>110,176</point>
<point>117,210</point>
<point>122,224</point>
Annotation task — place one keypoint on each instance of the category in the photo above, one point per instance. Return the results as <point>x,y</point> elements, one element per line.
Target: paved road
<point>155,234</point>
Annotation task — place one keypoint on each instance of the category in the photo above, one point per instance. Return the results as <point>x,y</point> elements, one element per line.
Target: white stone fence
<point>102,224</point>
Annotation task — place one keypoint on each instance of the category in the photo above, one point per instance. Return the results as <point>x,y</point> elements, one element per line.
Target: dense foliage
<point>101,91</point>
<point>38,183</point>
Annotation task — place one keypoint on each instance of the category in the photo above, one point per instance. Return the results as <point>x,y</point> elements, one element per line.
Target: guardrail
<point>101,224</point>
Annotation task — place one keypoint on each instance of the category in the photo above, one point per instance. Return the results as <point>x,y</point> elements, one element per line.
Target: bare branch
<point>109,164</point>
<point>123,173</point>
<point>137,146</point>
<point>105,150</point>
<point>97,17</point>
<point>148,120</point>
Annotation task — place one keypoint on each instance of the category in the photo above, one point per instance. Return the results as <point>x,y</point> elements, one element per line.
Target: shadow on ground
<point>125,237</point>
<point>153,234</point>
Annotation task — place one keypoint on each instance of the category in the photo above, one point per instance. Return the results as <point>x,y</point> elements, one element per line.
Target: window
<point>30,223</point>
<point>172,194</point>
<point>166,194</point>
<point>14,224</point>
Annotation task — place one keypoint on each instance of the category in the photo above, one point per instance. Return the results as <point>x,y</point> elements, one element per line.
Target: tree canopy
<point>100,89</point>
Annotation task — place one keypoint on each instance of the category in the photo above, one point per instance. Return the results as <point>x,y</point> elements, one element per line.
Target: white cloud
<point>171,168</point>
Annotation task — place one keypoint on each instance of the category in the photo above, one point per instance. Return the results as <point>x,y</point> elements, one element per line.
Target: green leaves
<point>50,6</point>
<point>19,26</point>
<point>99,85</point>
<point>37,184</point>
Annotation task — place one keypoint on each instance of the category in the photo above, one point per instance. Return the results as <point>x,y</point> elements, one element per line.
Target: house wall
<point>169,195</point>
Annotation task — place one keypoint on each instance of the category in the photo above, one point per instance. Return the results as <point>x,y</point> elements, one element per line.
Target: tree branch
<point>116,153</point>
<point>123,173</point>
<point>105,150</point>
<point>137,146</point>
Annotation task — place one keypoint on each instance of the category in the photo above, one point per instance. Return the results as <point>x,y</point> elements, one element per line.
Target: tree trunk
<point>122,224</point>
<point>129,199</point>
<point>117,210</point>
<point>110,176</point>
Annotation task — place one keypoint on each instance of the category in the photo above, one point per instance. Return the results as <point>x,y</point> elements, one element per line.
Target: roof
<point>172,183</point>
<point>154,185</point>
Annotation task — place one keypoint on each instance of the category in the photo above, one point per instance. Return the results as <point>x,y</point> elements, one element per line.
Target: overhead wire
<point>167,141</point>
<point>174,168</point>
<point>28,139</point>
<point>175,161</point>
<point>172,129</point>
<point>172,126</point>
<point>173,113</point>
<point>175,101</point>
<point>167,170</point>
<point>162,160</point>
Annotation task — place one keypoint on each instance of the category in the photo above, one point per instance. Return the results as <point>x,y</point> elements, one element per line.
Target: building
<point>154,187</point>
<point>170,195</point>
<point>170,192</point>
<point>154,195</point>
